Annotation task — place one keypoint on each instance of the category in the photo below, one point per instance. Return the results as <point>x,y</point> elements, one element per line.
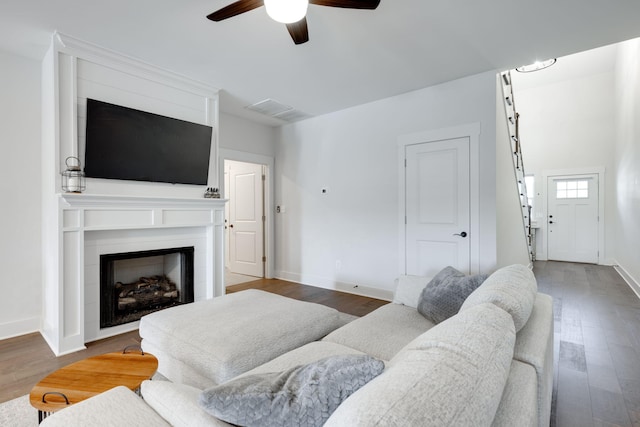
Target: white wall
<point>569,125</point>
<point>627,158</point>
<point>251,142</point>
<point>349,236</point>
<point>20,257</point>
<point>241,134</point>
<point>511,243</point>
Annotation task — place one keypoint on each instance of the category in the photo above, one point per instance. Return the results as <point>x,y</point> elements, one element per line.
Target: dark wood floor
<point>27,359</point>
<point>346,303</point>
<point>597,343</point>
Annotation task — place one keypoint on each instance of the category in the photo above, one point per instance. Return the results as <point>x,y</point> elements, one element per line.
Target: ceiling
<point>572,67</point>
<point>353,56</point>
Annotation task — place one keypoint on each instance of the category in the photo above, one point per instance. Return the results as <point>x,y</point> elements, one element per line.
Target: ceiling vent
<point>292,116</point>
<point>275,109</point>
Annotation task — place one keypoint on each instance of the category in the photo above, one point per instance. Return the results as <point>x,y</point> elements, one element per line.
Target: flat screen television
<point>128,144</point>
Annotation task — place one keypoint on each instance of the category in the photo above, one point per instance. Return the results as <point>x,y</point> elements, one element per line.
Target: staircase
<point>518,164</point>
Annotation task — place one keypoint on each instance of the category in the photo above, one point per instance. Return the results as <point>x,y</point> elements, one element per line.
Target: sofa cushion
<point>113,408</point>
<point>518,406</point>
<point>511,288</point>
<point>408,289</point>
<point>452,375</point>
<point>383,332</point>
<point>534,346</point>
<point>305,395</point>
<point>443,296</point>
<point>228,335</point>
<point>177,404</point>
<point>304,355</point>
<point>176,370</point>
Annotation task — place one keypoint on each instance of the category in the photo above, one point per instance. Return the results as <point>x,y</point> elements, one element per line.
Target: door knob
<point>550,222</point>
<point>231,225</point>
<point>463,234</point>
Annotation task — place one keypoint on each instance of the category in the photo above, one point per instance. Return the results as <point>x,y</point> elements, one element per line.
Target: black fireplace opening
<point>134,284</point>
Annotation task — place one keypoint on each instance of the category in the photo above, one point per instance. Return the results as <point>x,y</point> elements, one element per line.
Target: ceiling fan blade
<point>348,4</point>
<point>299,31</point>
<point>236,8</point>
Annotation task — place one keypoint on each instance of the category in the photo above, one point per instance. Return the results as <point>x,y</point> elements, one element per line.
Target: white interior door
<point>572,218</point>
<point>246,218</point>
<point>437,206</point>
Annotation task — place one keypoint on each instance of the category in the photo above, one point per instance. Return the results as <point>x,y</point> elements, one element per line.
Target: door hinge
<point>264,259</point>
<point>264,177</point>
<point>405,220</point>
<point>405,163</point>
<point>264,218</point>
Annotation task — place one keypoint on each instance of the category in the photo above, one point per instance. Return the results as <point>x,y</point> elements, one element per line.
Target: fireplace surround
<point>93,225</point>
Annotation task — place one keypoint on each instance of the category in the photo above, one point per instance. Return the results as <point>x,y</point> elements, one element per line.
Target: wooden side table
<point>89,377</point>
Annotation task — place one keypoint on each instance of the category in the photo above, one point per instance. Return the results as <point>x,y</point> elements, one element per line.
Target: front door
<point>572,218</point>
<point>246,215</point>
<point>437,206</point>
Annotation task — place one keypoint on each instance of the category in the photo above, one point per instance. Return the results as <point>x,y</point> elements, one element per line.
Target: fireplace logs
<point>154,291</point>
<point>124,299</point>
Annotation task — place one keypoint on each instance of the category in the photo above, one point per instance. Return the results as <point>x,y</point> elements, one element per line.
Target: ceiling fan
<point>290,12</point>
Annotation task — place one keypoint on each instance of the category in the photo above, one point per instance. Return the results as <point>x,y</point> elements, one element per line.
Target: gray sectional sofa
<point>489,364</point>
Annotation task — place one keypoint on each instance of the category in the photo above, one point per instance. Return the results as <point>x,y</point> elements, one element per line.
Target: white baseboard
<point>324,283</point>
<point>633,283</point>
<point>19,327</point>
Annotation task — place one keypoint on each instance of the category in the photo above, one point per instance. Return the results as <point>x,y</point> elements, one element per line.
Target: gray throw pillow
<point>304,395</point>
<point>445,293</point>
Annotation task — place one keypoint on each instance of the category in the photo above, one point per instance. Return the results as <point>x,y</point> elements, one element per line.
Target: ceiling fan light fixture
<point>286,11</point>
<point>536,66</point>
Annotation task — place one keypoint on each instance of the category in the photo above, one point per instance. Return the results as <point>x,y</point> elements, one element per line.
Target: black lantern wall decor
<point>73,180</point>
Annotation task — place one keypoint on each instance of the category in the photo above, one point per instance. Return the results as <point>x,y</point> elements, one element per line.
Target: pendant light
<point>536,66</point>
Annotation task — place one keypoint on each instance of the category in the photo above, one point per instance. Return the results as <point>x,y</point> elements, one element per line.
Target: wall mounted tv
<point>123,143</point>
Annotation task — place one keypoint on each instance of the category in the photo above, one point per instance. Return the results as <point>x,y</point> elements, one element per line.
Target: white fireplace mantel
<point>89,201</point>
<point>91,212</point>
<point>79,214</point>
